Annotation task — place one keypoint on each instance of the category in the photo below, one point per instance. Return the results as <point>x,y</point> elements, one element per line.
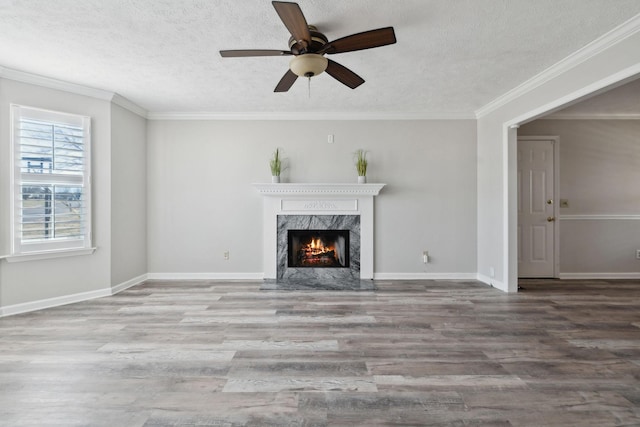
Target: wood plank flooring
<point>428,353</point>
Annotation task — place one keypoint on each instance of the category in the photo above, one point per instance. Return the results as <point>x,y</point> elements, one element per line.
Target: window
<point>51,192</point>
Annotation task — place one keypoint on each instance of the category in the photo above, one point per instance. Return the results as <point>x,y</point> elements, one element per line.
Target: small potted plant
<point>276,166</point>
<point>361,166</point>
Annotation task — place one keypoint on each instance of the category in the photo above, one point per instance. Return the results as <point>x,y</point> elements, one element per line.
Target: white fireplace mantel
<point>300,189</point>
<point>317,199</point>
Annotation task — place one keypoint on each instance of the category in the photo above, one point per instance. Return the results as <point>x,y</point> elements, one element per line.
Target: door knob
<point>551,218</point>
<point>550,201</point>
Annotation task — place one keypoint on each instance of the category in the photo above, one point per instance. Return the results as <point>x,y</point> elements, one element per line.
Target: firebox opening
<point>318,248</point>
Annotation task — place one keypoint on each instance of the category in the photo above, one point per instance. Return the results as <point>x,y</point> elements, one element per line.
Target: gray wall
<point>600,178</point>
<point>201,202</point>
<point>128,195</point>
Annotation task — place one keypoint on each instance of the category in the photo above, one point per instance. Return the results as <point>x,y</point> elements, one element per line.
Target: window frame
<point>48,247</point>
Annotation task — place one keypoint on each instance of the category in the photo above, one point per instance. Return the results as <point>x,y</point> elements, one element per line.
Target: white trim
<point>346,115</point>
<point>623,76</point>
<point>621,32</point>
<point>37,256</point>
<point>599,276</point>
<point>510,208</point>
<point>51,83</point>
<point>128,284</point>
<point>205,276</point>
<point>591,116</point>
<point>599,217</point>
<point>425,276</point>
<point>128,105</point>
<point>53,302</point>
<point>301,189</point>
<point>70,299</point>
<point>54,247</point>
<point>491,282</point>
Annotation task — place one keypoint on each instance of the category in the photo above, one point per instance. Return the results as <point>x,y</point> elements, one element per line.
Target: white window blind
<point>51,181</point>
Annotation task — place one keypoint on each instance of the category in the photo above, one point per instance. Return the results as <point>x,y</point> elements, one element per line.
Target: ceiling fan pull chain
<point>309,86</point>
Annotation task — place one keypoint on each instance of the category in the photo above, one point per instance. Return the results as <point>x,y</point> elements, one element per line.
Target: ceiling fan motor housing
<point>318,40</point>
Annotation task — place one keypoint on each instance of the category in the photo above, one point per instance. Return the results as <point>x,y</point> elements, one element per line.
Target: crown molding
<point>613,37</point>
<point>24,77</point>
<point>128,105</point>
<point>51,83</point>
<point>204,115</point>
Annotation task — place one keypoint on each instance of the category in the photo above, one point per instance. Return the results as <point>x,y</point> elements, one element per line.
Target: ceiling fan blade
<point>252,52</point>
<point>344,75</point>
<point>286,81</point>
<point>292,18</point>
<point>360,41</point>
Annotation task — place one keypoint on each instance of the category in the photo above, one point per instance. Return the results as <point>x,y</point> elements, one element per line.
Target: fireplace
<point>323,247</point>
<point>326,207</point>
<point>318,248</point>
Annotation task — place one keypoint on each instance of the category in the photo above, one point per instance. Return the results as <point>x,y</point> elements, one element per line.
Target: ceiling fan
<point>308,47</point>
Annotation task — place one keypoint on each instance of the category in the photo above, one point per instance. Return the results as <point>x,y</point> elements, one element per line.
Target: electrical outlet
<point>226,255</point>
<point>492,272</point>
<point>637,253</point>
<point>425,257</point>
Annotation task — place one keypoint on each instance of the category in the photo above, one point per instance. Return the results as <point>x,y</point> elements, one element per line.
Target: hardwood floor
<point>436,353</point>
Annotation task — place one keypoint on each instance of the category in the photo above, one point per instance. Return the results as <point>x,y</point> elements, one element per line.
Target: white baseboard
<point>424,276</point>
<point>599,276</point>
<point>205,276</point>
<point>69,299</point>
<point>53,302</point>
<point>128,284</point>
<point>492,282</point>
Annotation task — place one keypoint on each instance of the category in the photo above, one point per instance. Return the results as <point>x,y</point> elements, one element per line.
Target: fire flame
<point>315,251</point>
<point>316,247</point>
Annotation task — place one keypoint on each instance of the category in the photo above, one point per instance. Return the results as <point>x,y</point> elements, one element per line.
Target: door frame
<point>555,141</point>
<point>509,162</point>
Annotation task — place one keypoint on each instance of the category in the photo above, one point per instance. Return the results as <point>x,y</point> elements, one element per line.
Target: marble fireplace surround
<point>351,223</point>
<point>302,199</point>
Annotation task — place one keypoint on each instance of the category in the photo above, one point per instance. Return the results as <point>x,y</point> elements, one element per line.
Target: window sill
<point>36,256</point>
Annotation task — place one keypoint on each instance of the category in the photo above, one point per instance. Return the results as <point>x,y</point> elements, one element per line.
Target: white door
<point>537,221</point>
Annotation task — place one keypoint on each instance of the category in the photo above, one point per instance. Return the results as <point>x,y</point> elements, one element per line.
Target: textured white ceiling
<point>452,57</point>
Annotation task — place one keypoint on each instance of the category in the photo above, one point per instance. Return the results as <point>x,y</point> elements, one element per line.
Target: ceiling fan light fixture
<point>308,65</point>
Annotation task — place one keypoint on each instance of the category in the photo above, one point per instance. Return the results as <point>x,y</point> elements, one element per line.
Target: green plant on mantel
<point>361,162</point>
<point>276,163</point>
